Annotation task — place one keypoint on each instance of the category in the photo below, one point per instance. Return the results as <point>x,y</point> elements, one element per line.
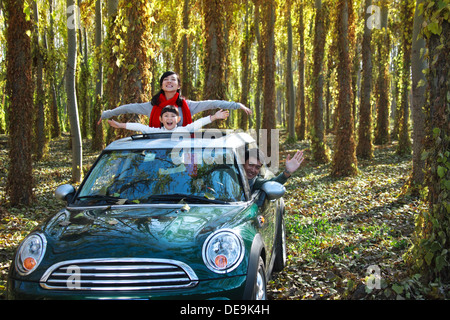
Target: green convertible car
<point>158,217</point>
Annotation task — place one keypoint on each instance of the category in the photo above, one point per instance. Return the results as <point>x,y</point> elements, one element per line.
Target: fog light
<point>221,261</point>
<point>29,263</point>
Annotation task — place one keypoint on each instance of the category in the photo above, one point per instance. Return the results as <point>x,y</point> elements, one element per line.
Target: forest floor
<point>337,229</point>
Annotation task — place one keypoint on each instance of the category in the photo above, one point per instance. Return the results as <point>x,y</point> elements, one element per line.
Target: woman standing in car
<point>170,94</point>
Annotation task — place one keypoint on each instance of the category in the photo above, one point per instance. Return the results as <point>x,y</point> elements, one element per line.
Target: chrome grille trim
<point>119,274</point>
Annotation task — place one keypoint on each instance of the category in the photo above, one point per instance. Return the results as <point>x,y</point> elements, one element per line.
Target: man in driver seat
<point>254,159</point>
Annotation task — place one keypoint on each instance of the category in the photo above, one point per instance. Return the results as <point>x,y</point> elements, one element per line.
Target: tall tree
<point>268,37</point>
<point>364,149</point>
<point>290,76</point>
<point>260,65</point>
<point>40,144</point>
<point>72,106</point>
<point>50,67</point>
<point>418,64</point>
<point>431,250</point>
<point>113,52</point>
<point>20,89</point>
<point>245,60</point>
<point>214,60</point>
<point>318,133</point>
<point>344,159</point>
<point>301,128</point>
<point>186,75</point>
<point>406,13</point>
<point>382,40</point>
<point>138,78</point>
<point>97,140</point>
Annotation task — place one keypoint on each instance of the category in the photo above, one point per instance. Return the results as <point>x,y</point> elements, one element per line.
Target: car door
<point>266,220</point>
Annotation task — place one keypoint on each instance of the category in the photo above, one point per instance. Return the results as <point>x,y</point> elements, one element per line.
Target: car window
<point>138,176</point>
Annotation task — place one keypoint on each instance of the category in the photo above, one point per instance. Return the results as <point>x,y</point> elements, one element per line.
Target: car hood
<point>156,231</point>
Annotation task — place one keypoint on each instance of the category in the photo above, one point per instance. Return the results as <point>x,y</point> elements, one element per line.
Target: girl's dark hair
<point>155,99</point>
<point>172,109</point>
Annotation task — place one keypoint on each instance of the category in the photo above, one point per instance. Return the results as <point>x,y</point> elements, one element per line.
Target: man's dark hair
<point>254,152</point>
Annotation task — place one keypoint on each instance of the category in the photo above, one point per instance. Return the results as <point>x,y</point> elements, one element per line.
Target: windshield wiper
<point>109,199</point>
<point>186,197</point>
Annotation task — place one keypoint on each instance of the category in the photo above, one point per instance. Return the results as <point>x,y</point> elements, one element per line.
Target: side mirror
<point>64,192</point>
<point>273,190</point>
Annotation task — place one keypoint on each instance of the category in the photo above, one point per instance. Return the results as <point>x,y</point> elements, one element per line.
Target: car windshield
<point>163,176</point>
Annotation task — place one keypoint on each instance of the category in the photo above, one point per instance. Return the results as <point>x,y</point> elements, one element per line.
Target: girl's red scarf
<point>156,111</point>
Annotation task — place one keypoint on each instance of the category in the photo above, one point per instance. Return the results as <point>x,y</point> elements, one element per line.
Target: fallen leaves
<point>338,228</point>
<point>16,223</point>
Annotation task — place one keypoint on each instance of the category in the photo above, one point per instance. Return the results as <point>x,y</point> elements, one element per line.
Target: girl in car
<point>170,94</point>
<point>169,119</point>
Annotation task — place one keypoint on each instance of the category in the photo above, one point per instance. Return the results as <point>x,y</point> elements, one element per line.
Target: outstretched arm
<point>221,114</point>
<point>117,125</point>
<point>144,108</point>
<point>198,124</point>
<point>133,126</point>
<point>246,110</point>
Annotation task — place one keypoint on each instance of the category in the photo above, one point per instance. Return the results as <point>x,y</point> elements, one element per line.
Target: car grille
<point>119,275</point>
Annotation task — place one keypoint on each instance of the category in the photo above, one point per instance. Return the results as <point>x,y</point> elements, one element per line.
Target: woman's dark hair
<point>155,99</point>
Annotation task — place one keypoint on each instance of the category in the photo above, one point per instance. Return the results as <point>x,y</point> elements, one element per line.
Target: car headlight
<point>223,251</point>
<point>30,253</point>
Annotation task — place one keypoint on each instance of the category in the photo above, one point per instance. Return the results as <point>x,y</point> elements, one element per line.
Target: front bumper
<point>231,288</point>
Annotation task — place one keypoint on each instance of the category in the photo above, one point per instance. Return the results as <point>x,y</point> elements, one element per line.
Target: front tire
<point>280,250</point>
<point>260,286</point>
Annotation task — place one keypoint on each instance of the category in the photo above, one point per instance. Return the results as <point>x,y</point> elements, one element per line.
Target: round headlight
<point>223,251</point>
<point>30,253</point>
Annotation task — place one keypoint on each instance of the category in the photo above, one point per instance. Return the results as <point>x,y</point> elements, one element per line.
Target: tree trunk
<point>344,160</point>
<point>214,50</point>
<point>40,143</point>
<point>97,140</point>
<point>55,130</point>
<point>301,129</point>
<point>382,85</point>
<point>136,63</point>
<point>260,64</point>
<point>431,251</point>
<point>364,149</point>
<point>438,146</point>
<point>20,89</point>
<point>114,74</point>
<point>245,60</point>
<point>418,64</point>
<point>404,142</point>
<point>83,83</point>
<point>72,107</point>
<point>290,78</point>
<point>185,67</point>
<point>318,135</point>
<point>269,119</point>
<point>138,42</point>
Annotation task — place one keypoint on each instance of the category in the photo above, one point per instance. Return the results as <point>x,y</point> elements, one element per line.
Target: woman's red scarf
<point>156,111</point>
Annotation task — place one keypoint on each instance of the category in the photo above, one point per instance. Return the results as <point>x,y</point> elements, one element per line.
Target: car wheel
<point>280,258</point>
<point>260,287</point>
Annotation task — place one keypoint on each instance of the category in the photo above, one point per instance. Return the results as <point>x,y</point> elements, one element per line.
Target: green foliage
<point>430,251</point>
